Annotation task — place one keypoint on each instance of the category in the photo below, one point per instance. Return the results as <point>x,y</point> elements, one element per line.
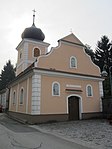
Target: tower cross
<point>34,16</point>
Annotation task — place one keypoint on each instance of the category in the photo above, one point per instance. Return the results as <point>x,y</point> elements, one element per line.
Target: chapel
<point>60,85</point>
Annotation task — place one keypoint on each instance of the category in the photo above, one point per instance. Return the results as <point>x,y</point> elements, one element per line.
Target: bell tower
<point>31,47</point>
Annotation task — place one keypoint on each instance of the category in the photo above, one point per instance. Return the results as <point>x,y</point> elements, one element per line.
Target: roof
<point>71,38</point>
<point>33,33</point>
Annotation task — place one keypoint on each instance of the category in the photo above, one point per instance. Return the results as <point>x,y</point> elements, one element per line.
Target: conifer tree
<point>89,51</point>
<point>103,53</point>
<point>103,58</point>
<point>7,75</point>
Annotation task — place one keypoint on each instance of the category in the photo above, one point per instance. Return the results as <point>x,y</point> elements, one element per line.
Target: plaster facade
<point>37,80</point>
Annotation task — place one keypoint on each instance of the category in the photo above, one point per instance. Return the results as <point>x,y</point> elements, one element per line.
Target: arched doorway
<point>73,108</point>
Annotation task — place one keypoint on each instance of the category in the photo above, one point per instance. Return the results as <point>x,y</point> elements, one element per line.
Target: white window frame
<point>33,51</point>
<point>14,98</point>
<point>53,88</point>
<point>21,103</point>
<point>73,57</point>
<point>87,91</point>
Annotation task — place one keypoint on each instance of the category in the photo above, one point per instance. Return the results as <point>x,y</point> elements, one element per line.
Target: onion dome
<point>33,32</point>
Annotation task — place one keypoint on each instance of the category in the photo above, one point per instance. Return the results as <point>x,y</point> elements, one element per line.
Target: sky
<point>89,20</point>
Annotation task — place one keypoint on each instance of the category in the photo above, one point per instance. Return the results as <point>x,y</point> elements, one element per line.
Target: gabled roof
<point>72,39</point>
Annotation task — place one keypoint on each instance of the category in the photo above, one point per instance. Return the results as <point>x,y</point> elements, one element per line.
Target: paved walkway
<point>92,133</point>
<point>14,135</point>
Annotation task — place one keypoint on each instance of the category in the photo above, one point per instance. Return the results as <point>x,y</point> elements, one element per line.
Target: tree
<point>103,53</point>
<point>103,58</point>
<point>89,51</point>
<point>7,75</point>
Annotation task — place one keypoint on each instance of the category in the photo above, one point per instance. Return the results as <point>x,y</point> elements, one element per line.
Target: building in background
<point>4,99</point>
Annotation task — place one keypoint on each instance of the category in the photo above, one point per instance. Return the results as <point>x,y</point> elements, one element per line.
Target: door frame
<point>80,104</point>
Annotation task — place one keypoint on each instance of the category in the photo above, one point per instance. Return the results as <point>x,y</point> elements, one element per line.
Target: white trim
<point>58,88</point>
<point>59,74</point>
<point>36,94</point>
<point>18,65</point>
<point>73,57</point>
<point>101,95</point>
<point>44,44</point>
<point>80,104</point>
<point>17,97</point>
<point>25,58</point>
<point>89,85</point>
<point>101,89</point>
<point>75,86</point>
<point>51,51</point>
<point>27,91</point>
<point>25,61</point>
<point>46,50</point>
<point>36,47</point>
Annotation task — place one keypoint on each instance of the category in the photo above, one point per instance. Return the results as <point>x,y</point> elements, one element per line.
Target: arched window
<point>89,91</point>
<point>20,56</point>
<point>14,98</point>
<point>36,52</point>
<point>56,89</point>
<point>73,62</point>
<point>21,96</point>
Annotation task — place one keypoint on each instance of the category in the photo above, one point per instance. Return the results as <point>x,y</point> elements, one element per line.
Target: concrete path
<point>14,135</point>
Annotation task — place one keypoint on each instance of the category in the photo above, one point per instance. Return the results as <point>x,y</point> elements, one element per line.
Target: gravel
<point>95,133</point>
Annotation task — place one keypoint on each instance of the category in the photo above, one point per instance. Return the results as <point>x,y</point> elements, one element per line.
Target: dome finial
<point>34,17</point>
<point>33,32</point>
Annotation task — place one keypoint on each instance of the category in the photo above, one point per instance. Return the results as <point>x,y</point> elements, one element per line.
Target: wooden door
<point>73,106</point>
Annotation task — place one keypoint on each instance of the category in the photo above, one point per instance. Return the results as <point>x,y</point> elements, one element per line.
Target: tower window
<point>36,52</point>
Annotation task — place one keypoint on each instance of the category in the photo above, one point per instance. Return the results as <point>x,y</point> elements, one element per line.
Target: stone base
<point>35,119</point>
<point>92,115</point>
